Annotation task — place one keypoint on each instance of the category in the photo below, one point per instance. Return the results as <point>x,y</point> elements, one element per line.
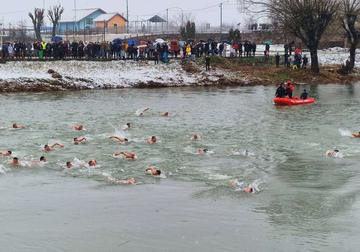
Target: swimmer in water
<point>42,159</point>
<point>165,114</point>
<point>152,140</point>
<point>5,153</point>
<point>14,162</point>
<point>194,137</point>
<point>332,153</point>
<point>69,164</point>
<point>92,162</point>
<point>143,112</point>
<point>127,126</point>
<point>77,141</point>
<point>127,182</point>
<point>202,151</point>
<point>131,155</point>
<point>120,139</point>
<point>153,171</point>
<point>15,126</point>
<point>80,127</point>
<point>47,147</point>
<point>355,135</point>
<point>247,189</point>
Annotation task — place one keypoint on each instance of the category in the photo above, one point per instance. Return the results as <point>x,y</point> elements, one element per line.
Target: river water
<point>305,200</point>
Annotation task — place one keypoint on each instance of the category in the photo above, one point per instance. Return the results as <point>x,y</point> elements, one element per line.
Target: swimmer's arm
<point>149,142</point>
<point>53,145</point>
<point>82,139</point>
<point>118,138</point>
<point>121,152</point>
<point>152,170</point>
<point>145,110</point>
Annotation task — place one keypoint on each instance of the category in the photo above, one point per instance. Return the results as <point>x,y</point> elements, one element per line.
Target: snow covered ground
<point>119,74</point>
<point>330,56</point>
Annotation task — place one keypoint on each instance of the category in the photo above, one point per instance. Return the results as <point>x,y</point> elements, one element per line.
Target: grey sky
<point>142,8</point>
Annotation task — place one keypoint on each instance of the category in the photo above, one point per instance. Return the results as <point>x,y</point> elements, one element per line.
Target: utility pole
<point>84,29</point>
<point>127,15</point>
<point>221,4</point>
<point>220,20</point>
<point>167,20</point>
<point>2,30</point>
<point>104,30</point>
<point>75,17</point>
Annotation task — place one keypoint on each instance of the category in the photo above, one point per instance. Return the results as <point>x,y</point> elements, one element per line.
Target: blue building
<point>79,19</point>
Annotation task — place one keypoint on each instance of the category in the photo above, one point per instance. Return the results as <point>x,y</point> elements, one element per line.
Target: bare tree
<point>179,20</point>
<point>37,20</point>
<point>54,15</point>
<point>349,14</point>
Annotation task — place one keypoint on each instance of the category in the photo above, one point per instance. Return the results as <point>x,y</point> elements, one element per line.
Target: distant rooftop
<point>107,17</point>
<point>80,14</point>
<point>157,19</point>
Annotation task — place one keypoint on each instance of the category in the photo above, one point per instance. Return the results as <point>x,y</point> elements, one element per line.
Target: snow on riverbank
<point>113,73</point>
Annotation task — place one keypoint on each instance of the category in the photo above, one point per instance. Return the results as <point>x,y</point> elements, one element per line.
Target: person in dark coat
<point>277,59</point>
<point>280,91</point>
<point>305,61</point>
<point>207,62</point>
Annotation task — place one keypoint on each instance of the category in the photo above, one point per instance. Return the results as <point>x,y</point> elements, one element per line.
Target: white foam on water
<point>139,111</point>
<point>335,155</point>
<point>345,133</point>
<point>3,170</point>
<point>218,177</point>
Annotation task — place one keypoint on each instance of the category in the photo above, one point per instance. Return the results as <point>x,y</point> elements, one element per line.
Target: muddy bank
<point>82,75</point>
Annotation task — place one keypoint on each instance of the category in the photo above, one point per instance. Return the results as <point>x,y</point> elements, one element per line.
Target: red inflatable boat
<point>294,101</point>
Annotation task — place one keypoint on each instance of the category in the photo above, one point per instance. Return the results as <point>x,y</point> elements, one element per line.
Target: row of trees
<point>309,19</point>
<point>37,18</point>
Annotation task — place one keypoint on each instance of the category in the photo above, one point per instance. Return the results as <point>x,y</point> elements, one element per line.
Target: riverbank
<point>39,76</point>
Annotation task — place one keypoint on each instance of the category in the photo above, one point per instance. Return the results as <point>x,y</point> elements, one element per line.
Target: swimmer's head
<point>166,113</point>
<point>43,159</point>
<point>75,139</point>
<point>80,127</point>
<point>195,137</point>
<point>92,162</point>
<point>68,164</point>
<point>153,138</point>
<point>336,151</point>
<point>15,160</point>
<point>205,150</point>
<point>14,125</point>
<point>126,140</point>
<point>9,152</point>
<point>128,124</point>
<point>132,154</point>
<point>158,172</point>
<point>46,147</point>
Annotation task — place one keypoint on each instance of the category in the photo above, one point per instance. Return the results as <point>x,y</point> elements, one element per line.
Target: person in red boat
<point>289,89</point>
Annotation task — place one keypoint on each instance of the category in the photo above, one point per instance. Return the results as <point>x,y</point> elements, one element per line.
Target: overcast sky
<point>142,9</point>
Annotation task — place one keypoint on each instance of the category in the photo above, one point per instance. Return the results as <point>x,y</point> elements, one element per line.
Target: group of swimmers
<point>93,162</point>
<point>336,153</point>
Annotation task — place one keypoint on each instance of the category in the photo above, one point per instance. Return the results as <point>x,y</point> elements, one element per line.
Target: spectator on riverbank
<point>207,63</point>
<point>305,61</point>
<point>277,59</point>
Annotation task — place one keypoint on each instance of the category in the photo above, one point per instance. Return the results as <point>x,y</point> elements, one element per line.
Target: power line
<point>5,13</point>
<point>205,8</point>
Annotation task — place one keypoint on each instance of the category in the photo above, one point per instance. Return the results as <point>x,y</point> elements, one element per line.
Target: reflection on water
<point>303,192</point>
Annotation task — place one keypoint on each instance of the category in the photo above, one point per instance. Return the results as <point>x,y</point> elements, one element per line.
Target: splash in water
<point>346,133</point>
